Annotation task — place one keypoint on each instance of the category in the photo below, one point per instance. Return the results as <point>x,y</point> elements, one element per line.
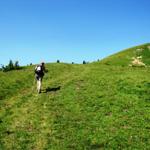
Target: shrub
<point>11,66</point>
<point>84,62</point>
<point>58,61</point>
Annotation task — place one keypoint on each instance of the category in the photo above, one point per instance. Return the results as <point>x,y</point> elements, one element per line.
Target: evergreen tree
<point>16,66</point>
<point>10,65</point>
<point>84,62</point>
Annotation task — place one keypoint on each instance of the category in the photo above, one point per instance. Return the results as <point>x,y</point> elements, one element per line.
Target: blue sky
<point>70,30</point>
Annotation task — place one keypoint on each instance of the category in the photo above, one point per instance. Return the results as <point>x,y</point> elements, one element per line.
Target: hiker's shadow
<point>52,89</point>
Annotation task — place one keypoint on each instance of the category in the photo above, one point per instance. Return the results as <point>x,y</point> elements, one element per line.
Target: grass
<point>93,106</point>
<point>13,81</point>
<point>124,57</point>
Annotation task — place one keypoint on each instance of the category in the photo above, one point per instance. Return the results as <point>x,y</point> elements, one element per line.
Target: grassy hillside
<point>93,106</point>
<point>11,82</point>
<point>124,57</point>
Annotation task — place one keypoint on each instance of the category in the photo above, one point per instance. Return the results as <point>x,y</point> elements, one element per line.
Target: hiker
<point>39,74</point>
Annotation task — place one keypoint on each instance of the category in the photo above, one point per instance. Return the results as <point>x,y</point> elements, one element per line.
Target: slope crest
<point>125,57</point>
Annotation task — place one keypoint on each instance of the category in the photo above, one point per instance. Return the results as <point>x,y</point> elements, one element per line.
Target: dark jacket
<point>39,70</point>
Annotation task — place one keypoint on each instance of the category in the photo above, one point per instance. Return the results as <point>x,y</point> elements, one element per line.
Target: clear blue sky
<point>70,30</point>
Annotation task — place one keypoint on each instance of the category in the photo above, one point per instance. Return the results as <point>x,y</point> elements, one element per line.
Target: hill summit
<point>138,55</point>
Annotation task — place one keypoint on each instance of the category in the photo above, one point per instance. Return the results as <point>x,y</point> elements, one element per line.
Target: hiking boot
<point>39,91</point>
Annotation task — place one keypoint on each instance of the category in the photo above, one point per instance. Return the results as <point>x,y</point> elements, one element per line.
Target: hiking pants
<point>39,83</point>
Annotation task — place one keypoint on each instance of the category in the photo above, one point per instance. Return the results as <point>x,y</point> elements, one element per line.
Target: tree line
<point>11,66</point>
<point>15,65</point>
<point>84,62</point>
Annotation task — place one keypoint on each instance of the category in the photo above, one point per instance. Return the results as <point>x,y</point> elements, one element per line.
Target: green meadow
<point>96,106</point>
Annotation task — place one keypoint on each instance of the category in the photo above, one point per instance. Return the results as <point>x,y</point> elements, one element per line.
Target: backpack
<point>38,69</point>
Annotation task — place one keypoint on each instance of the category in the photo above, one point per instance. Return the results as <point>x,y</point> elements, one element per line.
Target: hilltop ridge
<point>124,57</point>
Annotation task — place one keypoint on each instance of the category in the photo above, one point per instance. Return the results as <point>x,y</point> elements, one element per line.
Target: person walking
<point>39,74</point>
